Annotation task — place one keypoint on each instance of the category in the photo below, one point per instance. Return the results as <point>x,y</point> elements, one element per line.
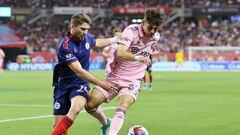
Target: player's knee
<point>90,106</point>
<point>75,110</point>
<point>124,105</point>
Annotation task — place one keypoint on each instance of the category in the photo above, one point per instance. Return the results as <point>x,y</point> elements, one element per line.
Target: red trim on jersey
<point>65,42</point>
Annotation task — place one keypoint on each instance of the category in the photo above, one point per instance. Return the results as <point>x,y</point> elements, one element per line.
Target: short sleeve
<point>127,36</point>
<point>66,52</point>
<point>91,40</point>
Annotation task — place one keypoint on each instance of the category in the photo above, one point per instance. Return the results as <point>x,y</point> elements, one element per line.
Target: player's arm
<point>101,43</point>
<point>122,53</point>
<point>84,74</point>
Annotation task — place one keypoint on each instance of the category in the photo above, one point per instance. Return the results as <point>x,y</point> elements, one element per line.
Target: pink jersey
<point>110,49</point>
<point>2,55</point>
<point>137,44</point>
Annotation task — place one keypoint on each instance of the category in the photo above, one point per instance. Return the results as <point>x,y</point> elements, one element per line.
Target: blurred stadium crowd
<point>110,3</point>
<point>43,34</point>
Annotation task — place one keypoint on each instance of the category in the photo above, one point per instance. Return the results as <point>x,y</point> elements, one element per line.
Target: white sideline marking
<point>44,116</point>
<point>19,105</point>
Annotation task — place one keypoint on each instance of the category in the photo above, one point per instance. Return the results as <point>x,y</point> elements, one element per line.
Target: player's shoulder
<point>89,36</point>
<point>90,39</point>
<point>65,43</point>
<point>133,27</point>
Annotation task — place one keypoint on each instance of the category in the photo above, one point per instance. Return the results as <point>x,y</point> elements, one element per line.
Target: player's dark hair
<point>80,18</point>
<point>154,17</point>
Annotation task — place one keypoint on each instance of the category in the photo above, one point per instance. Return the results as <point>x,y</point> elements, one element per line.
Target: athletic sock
<point>62,126</point>
<point>150,77</point>
<point>117,121</point>
<point>145,79</point>
<point>99,114</point>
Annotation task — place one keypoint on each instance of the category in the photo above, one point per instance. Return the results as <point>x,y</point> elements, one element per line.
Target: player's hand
<point>115,39</point>
<point>146,60</point>
<point>118,35</point>
<point>110,87</point>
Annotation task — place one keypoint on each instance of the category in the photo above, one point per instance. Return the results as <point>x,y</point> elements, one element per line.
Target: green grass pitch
<point>181,103</point>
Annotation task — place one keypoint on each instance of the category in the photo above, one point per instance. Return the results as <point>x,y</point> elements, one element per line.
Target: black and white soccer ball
<point>137,130</point>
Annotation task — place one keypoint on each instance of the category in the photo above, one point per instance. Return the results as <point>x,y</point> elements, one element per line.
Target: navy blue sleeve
<point>91,40</point>
<point>65,52</point>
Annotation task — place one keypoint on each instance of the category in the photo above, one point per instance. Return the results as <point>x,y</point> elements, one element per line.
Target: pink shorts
<point>126,88</point>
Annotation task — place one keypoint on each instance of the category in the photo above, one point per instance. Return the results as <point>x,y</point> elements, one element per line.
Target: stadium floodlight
<point>220,54</point>
<point>136,20</point>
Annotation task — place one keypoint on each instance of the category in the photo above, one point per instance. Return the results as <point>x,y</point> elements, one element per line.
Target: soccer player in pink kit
<point>108,52</point>
<point>128,68</point>
<point>2,55</point>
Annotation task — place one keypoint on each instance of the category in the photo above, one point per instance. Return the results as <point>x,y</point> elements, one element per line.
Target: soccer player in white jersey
<point>128,68</point>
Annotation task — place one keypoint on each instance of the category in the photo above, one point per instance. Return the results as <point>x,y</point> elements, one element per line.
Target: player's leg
<point>127,96</point>
<point>149,70</point>
<point>61,107</point>
<point>77,103</point>
<point>145,81</point>
<point>150,79</point>
<point>57,118</point>
<point>95,98</point>
<point>117,121</point>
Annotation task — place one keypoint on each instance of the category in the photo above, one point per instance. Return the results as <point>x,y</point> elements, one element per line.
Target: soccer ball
<point>137,130</point>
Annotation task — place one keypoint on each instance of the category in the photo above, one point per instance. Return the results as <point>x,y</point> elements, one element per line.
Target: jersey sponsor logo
<point>135,50</point>
<point>145,54</point>
<point>87,45</point>
<point>57,105</point>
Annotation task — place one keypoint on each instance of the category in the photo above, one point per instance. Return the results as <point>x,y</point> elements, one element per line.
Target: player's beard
<point>79,35</point>
<point>149,35</point>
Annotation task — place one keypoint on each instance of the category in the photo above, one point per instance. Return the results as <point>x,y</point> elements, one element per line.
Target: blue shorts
<point>62,103</point>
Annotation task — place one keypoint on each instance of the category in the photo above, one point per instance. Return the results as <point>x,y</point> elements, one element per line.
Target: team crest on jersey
<point>57,105</point>
<point>75,50</point>
<point>87,45</point>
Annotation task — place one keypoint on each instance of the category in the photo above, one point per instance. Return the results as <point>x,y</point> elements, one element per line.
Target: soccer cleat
<point>150,87</point>
<point>104,129</point>
<point>145,86</point>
